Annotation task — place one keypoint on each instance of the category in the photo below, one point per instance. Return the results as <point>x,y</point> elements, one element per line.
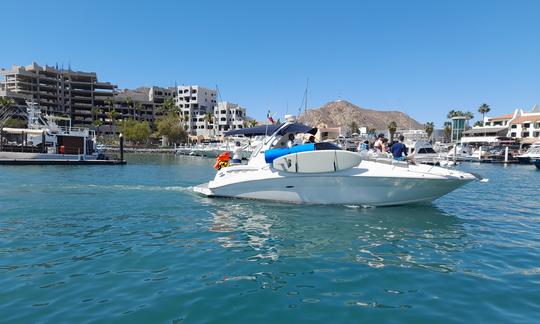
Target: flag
<point>269,116</point>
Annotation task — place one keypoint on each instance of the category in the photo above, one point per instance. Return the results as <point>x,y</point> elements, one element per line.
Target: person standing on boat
<point>237,153</point>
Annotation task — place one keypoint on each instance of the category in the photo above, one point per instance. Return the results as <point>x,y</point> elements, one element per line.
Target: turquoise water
<point>133,244</point>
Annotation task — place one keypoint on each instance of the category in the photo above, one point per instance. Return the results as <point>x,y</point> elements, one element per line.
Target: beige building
<point>197,104</point>
<point>228,116</point>
<point>521,125</point>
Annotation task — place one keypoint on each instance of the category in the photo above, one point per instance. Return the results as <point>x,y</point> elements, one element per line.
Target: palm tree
<point>6,112</point>
<point>484,109</point>
<point>447,131</point>
<point>170,107</point>
<point>392,127</point>
<point>353,126</point>
<point>112,117</point>
<point>6,102</point>
<point>94,112</point>
<point>209,118</point>
<point>138,109</point>
<point>253,123</point>
<point>429,127</point>
<point>129,103</point>
<point>110,103</point>
<point>451,113</point>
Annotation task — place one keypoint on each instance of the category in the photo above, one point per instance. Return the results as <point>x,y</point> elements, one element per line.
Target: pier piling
<point>121,147</point>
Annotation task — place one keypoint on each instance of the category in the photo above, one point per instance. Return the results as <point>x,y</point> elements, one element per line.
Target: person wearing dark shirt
<point>399,150</point>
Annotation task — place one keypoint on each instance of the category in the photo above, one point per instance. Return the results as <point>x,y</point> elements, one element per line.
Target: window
<point>426,150</point>
<point>223,112</point>
<point>223,119</point>
<point>514,126</point>
<point>525,134</point>
<point>186,105</point>
<point>526,125</point>
<point>512,134</point>
<point>195,105</point>
<point>536,134</point>
<point>193,98</point>
<point>194,91</point>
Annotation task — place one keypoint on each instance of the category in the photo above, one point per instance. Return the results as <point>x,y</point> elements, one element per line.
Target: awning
<point>270,129</point>
<point>23,130</point>
<point>500,131</point>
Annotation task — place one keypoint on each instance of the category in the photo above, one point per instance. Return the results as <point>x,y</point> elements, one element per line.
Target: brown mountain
<point>342,113</point>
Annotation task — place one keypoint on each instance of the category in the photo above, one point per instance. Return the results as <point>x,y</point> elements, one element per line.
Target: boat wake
<point>132,187</point>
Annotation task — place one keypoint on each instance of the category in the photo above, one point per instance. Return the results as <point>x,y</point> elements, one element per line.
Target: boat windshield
<point>426,150</point>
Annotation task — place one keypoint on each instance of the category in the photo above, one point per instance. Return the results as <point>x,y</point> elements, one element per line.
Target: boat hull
<point>369,184</point>
<point>537,163</point>
<point>341,190</point>
<point>524,160</point>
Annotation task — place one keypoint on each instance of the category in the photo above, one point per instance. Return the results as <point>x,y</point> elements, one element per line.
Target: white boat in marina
<point>212,150</point>
<point>459,152</point>
<point>321,173</point>
<point>423,152</point>
<point>532,154</point>
<point>45,140</point>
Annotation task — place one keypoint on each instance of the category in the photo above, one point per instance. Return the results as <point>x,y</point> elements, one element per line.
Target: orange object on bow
<point>222,160</point>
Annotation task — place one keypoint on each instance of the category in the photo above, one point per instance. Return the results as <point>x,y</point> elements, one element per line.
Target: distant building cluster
<point>520,124</point>
<point>87,101</point>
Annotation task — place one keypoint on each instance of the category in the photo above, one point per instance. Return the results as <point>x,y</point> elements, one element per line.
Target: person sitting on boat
<point>364,146</point>
<point>379,144</point>
<point>290,142</point>
<point>310,140</point>
<point>385,147</point>
<point>237,153</point>
<point>399,150</point>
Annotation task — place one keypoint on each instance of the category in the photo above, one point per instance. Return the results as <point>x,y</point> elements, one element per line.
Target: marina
<point>270,162</point>
<point>138,244</point>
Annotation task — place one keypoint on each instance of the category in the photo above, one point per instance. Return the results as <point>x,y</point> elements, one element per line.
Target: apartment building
<point>59,91</point>
<point>228,116</point>
<point>197,105</point>
<point>90,102</point>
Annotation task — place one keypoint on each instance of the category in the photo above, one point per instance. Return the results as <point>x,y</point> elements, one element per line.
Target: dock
<point>59,162</point>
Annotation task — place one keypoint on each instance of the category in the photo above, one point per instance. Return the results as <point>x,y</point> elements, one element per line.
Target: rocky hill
<point>342,113</point>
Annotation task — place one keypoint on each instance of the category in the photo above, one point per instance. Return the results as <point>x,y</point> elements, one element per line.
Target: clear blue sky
<point>420,57</point>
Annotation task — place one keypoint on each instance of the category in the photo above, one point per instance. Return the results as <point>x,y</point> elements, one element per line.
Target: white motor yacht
<point>423,152</point>
<point>44,139</point>
<point>322,173</point>
<point>532,154</point>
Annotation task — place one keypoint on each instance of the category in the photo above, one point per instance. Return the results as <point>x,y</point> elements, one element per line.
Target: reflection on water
<point>377,237</point>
